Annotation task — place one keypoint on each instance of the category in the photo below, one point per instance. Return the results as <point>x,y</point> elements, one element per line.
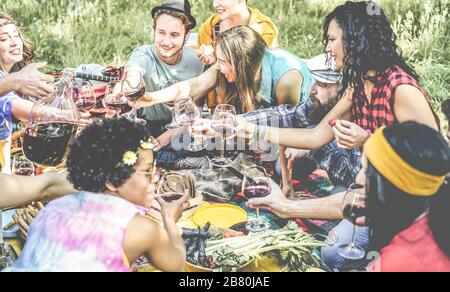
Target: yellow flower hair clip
<point>130,158</point>
<point>148,145</point>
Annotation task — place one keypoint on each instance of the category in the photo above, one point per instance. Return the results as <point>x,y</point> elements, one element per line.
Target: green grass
<point>71,32</point>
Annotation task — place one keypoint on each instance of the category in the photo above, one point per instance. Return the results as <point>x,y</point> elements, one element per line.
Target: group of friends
<point>357,111</point>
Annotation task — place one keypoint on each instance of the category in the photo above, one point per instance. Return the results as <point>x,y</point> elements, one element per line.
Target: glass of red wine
<point>133,87</point>
<point>22,166</point>
<point>115,101</point>
<point>174,187</point>
<point>353,207</point>
<point>224,123</point>
<point>84,96</point>
<point>256,184</point>
<point>186,114</point>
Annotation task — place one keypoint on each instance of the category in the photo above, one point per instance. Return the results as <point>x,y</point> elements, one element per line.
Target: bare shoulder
<point>408,92</point>
<point>411,105</point>
<point>140,235</point>
<point>291,77</point>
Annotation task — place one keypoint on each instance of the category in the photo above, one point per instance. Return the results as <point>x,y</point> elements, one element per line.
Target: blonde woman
<point>247,75</point>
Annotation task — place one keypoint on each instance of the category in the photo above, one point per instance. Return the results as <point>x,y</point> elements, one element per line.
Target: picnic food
<point>230,251</point>
<point>292,247</point>
<point>196,240</point>
<point>25,216</point>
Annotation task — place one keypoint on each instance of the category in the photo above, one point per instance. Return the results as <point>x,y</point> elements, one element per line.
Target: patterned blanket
<point>223,186</point>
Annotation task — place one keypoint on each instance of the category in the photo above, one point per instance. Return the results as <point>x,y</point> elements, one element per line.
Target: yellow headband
<point>402,175</point>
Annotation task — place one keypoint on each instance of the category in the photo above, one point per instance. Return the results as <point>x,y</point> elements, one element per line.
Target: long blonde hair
<point>244,49</point>
<point>28,51</point>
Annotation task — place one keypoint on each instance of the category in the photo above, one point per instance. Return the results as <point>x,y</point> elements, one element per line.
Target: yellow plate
<point>220,215</point>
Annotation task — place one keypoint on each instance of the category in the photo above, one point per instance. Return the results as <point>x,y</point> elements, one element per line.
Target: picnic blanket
<point>222,186</point>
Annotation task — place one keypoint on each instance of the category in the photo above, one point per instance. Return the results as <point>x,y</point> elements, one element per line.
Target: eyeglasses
<point>153,175</point>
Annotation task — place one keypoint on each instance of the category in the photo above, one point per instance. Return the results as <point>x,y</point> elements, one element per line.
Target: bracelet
<point>260,132</point>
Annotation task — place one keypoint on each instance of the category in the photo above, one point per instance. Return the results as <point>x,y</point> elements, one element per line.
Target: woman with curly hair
<point>104,227</point>
<point>379,89</point>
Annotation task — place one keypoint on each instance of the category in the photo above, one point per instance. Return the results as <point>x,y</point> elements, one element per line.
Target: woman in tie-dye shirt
<point>104,228</point>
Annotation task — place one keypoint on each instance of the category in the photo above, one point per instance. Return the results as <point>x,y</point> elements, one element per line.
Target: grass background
<point>67,33</point>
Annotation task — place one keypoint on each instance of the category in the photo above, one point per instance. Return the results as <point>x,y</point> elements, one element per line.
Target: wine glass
<point>186,114</point>
<point>84,96</point>
<point>133,87</point>
<point>224,123</point>
<point>197,132</point>
<point>174,187</point>
<point>173,124</point>
<point>256,184</point>
<point>22,166</point>
<point>353,208</point>
<point>116,101</point>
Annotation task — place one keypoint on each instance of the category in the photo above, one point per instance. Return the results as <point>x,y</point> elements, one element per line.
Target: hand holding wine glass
<point>186,114</point>
<point>172,196</point>
<point>133,87</point>
<point>353,208</point>
<point>84,96</point>
<point>115,101</point>
<point>224,123</point>
<point>256,184</point>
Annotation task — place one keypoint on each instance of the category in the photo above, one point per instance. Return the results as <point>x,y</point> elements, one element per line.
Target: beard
<point>319,110</point>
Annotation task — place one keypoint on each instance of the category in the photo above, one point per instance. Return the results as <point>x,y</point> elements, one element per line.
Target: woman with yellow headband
<point>408,198</point>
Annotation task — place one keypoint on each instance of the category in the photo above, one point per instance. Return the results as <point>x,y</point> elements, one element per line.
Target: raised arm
<point>197,88</point>
<point>29,81</point>
<point>306,138</point>
<point>19,190</point>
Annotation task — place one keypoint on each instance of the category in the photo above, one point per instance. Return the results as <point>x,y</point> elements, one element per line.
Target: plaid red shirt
<point>380,112</point>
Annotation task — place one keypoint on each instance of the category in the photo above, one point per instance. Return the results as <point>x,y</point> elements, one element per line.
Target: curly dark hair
<point>369,43</point>
<point>95,156</point>
<point>446,109</point>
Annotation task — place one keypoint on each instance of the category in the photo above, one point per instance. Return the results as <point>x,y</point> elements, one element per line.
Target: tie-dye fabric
<point>80,232</point>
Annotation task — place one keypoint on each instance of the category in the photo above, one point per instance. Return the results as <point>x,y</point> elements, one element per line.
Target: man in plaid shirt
<point>342,165</point>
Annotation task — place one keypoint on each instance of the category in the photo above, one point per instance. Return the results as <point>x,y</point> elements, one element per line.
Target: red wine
<point>84,105</point>
<point>225,130</point>
<point>134,96</point>
<point>170,197</point>
<point>123,107</point>
<point>98,113</point>
<point>46,144</point>
<point>187,118</point>
<point>256,192</point>
<point>24,172</point>
<point>352,212</point>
